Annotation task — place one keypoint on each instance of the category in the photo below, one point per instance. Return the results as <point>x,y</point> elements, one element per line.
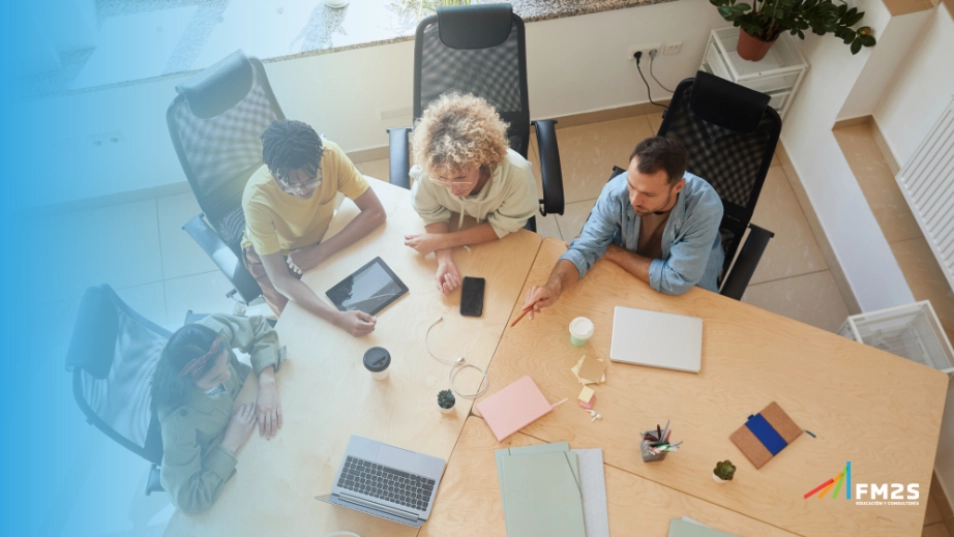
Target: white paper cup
<point>581,330</point>
<point>377,360</point>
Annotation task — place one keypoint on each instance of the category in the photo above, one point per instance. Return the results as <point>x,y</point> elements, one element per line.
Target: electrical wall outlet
<point>672,48</point>
<point>644,49</point>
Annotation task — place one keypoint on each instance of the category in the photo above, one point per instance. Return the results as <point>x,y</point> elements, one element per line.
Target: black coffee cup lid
<point>377,359</point>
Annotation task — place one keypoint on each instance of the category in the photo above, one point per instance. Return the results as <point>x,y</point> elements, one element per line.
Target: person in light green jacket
<point>193,391</point>
<point>463,164</point>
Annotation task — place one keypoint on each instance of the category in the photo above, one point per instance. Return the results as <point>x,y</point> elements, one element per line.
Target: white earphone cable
<point>457,366</point>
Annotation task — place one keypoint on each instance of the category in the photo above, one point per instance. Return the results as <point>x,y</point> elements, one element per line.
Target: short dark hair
<point>291,145</point>
<point>659,153</point>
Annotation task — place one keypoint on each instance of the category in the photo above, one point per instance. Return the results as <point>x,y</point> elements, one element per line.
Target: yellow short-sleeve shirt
<point>279,222</point>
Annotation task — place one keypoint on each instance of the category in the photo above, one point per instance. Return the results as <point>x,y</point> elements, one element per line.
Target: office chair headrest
<point>474,27</point>
<point>214,90</point>
<point>93,344</point>
<point>727,104</point>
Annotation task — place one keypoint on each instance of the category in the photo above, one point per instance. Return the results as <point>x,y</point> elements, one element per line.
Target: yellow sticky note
<point>586,394</point>
<point>591,369</point>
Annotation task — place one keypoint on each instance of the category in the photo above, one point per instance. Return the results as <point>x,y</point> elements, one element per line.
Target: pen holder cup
<point>649,456</point>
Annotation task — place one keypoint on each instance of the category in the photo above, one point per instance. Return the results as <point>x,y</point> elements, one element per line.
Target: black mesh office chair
<point>481,50</point>
<point>113,354</point>
<point>216,123</point>
<point>730,133</point>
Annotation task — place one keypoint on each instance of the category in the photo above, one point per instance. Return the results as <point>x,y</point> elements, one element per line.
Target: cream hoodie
<point>506,202</point>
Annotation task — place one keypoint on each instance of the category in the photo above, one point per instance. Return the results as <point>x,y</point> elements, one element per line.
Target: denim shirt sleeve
<point>689,252</point>
<point>603,223</point>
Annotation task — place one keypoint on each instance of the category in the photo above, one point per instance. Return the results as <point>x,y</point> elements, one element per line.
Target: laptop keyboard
<point>402,488</point>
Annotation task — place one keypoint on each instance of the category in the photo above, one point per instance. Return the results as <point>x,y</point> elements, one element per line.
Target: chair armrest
<point>550,172</point>
<point>400,161</point>
<point>223,257</point>
<point>153,482</point>
<point>748,260</point>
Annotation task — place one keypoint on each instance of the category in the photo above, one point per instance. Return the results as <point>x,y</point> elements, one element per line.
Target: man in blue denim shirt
<point>656,221</point>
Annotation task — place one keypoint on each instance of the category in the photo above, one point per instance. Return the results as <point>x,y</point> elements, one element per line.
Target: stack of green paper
<point>540,486</point>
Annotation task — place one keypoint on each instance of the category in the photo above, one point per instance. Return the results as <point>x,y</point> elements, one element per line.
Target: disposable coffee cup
<point>377,360</point>
<point>581,330</point>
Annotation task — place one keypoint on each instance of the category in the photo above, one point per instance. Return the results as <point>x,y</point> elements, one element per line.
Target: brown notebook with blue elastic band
<point>765,434</point>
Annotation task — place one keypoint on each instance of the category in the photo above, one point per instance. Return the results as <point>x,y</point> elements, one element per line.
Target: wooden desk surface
<point>470,492</point>
<point>875,409</point>
<point>327,395</point>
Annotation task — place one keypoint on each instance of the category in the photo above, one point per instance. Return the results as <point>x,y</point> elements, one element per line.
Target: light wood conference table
<point>470,492</point>
<point>877,410</point>
<point>327,395</point>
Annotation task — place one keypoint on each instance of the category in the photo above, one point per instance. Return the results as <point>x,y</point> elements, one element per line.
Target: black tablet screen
<point>369,289</point>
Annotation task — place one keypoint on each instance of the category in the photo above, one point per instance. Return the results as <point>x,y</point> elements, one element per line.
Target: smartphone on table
<point>472,297</point>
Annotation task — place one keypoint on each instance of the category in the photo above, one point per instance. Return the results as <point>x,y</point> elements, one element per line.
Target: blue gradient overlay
<point>61,477</point>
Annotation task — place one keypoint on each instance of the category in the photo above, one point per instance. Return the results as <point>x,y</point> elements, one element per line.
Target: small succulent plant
<point>724,470</point>
<point>445,399</point>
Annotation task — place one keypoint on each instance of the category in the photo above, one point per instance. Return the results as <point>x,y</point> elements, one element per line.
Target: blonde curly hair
<point>458,131</point>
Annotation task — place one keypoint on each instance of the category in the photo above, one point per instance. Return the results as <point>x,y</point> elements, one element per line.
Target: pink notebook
<point>514,407</point>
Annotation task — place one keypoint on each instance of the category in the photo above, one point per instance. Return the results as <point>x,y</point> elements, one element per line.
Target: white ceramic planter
<point>446,410</point>
<point>337,3</point>
<point>718,479</point>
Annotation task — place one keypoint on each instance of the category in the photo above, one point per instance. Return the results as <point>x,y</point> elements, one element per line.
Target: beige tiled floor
<point>912,252</point>
<point>926,279</point>
<point>794,250</point>
<point>811,298</point>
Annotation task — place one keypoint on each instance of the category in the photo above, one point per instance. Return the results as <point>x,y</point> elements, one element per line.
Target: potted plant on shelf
<point>764,20</point>
<point>724,471</point>
<point>446,400</point>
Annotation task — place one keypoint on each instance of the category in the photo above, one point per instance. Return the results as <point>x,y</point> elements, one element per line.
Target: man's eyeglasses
<point>297,188</point>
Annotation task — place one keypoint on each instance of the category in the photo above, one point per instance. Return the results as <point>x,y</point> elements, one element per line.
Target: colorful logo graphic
<point>843,478</point>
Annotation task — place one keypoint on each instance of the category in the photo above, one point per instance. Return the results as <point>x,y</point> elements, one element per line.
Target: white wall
<point>877,76</point>
<point>924,86</point>
<point>576,64</point>
<point>852,230</point>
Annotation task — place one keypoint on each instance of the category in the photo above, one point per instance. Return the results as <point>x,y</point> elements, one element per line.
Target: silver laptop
<point>657,339</point>
<point>388,482</point>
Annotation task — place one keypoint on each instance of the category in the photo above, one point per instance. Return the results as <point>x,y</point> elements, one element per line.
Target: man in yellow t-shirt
<point>288,205</point>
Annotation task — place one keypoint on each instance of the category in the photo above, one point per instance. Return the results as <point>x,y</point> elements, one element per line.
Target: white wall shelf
<point>779,74</point>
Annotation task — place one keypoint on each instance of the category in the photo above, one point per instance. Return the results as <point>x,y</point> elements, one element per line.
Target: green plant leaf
<point>727,13</point>
<point>767,19</point>
<point>853,18</point>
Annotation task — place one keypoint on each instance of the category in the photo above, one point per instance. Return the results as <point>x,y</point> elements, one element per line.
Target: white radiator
<point>927,182</point>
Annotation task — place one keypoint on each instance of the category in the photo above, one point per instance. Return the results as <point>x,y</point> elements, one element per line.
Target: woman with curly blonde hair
<point>463,164</point>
